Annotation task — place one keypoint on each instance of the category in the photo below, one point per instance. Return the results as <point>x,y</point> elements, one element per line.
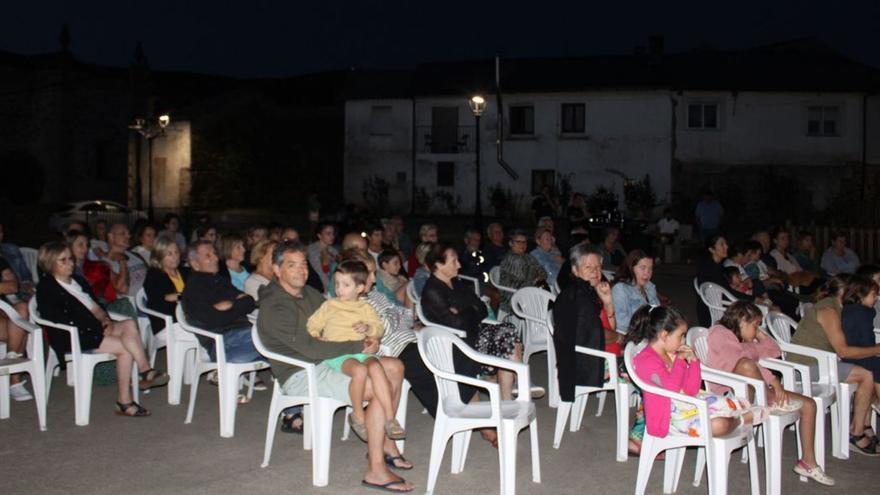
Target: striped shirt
<point>398,324</point>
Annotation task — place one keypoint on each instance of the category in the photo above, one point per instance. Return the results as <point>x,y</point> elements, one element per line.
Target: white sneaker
<point>14,355</point>
<point>19,393</point>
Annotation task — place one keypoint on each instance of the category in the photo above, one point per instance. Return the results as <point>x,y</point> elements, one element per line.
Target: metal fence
<point>441,139</point>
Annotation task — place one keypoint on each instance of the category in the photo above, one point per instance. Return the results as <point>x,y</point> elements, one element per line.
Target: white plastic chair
<point>32,365</point>
<point>228,375</point>
<point>531,305</point>
<point>717,449</point>
<point>411,292</point>
<point>426,322</point>
<point>495,279</point>
<point>30,259</point>
<point>177,343</point>
<point>716,298</point>
<point>772,427</point>
<point>474,281</point>
<point>457,420</point>
<point>317,415</point>
<point>80,365</point>
<point>609,275</point>
<point>573,412</point>
<point>827,389</point>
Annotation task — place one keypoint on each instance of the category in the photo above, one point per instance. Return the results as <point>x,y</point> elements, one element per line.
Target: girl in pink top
<point>736,344</point>
<point>669,363</point>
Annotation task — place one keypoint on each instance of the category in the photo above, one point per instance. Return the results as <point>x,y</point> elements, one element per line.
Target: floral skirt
<point>497,339</point>
<point>685,418</point>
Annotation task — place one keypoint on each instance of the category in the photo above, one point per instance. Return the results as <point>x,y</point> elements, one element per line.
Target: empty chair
<point>228,375</point>
<point>457,420</point>
<point>32,365</point>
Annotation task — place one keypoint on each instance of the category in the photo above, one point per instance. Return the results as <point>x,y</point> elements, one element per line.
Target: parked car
<point>92,211</point>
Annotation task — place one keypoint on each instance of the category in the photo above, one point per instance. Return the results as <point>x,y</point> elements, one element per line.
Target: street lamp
<point>149,130</point>
<point>478,106</point>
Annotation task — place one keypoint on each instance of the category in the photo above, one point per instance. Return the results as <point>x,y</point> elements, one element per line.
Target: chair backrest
<point>495,279</point>
<point>780,325</point>
<point>698,340</point>
<point>629,352</point>
<point>697,287</point>
<point>474,281</point>
<point>411,292</point>
<point>435,346</point>
<point>532,305</point>
<point>35,339</point>
<point>609,275</point>
<point>427,322</point>
<point>30,259</point>
<point>716,298</point>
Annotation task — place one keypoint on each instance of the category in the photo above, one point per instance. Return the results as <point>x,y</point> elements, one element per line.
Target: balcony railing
<point>438,139</point>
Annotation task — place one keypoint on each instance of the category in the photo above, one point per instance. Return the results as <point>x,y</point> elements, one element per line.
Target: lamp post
<point>149,130</point>
<point>478,106</point>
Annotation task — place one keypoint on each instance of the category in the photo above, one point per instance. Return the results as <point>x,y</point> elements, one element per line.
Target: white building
<point>688,120</point>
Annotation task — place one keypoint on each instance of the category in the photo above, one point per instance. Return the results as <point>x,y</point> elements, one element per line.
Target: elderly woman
<point>633,288</point>
<point>261,260</point>
<point>65,297</point>
<point>578,320</point>
<point>736,345</point>
<point>322,252</point>
<point>165,280</point>
<point>452,303</point>
<point>547,254</point>
<point>519,269</point>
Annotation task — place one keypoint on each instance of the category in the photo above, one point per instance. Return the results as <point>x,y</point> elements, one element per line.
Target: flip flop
<point>389,461</point>
<point>386,487</point>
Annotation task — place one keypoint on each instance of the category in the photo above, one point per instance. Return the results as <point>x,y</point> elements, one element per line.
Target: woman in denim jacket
<point>633,287</point>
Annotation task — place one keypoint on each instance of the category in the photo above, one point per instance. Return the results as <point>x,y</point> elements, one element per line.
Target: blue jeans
<point>238,345</point>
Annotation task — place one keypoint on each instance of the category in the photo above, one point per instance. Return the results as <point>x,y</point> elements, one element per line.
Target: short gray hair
<point>287,247</point>
<point>192,251</point>
<point>582,250</point>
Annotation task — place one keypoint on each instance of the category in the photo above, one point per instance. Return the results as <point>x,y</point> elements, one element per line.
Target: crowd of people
<point>346,303</point>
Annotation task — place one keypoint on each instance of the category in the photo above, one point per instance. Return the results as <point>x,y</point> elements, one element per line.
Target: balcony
<point>449,140</point>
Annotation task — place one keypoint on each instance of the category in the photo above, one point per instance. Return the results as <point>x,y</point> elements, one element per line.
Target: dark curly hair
<point>738,312</point>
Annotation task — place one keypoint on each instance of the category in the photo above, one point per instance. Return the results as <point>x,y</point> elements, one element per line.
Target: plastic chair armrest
<point>788,370</point>
<point>218,337</point>
<point>827,360</point>
<point>610,358</point>
<point>735,382</point>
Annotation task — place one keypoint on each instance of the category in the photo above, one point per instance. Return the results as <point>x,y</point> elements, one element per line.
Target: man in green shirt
<point>285,306</point>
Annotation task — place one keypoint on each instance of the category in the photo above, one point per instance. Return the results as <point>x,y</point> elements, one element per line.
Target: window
<point>446,174</point>
<point>444,130</point>
<point>522,119</point>
<point>702,116</point>
<point>541,178</point>
<point>573,118</point>
<point>380,120</point>
<point>822,121</point>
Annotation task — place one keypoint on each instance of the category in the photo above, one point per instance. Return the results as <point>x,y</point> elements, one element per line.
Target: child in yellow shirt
<point>336,321</point>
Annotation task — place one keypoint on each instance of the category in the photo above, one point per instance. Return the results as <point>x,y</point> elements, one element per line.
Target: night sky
<point>258,38</point>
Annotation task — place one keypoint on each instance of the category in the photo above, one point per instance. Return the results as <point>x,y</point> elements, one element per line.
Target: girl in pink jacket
<point>669,363</point>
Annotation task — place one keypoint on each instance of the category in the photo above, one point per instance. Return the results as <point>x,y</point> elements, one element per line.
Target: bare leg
<point>381,386</point>
<point>113,345</point>
<point>14,336</point>
<point>864,382</point>
<point>723,426</point>
<point>808,427</point>
<point>748,368</point>
<point>356,387</point>
<point>128,334</point>
<point>377,472</point>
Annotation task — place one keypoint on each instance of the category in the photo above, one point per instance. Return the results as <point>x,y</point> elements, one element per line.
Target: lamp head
<point>164,120</point>
<point>477,104</point>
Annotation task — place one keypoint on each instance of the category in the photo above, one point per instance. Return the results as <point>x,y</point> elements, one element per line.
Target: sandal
<point>287,425</point>
<point>390,461</point>
<point>359,429</point>
<point>816,473</point>
<point>159,378</point>
<point>140,412</point>
<point>393,430</point>
<point>386,487</point>
<point>869,450</point>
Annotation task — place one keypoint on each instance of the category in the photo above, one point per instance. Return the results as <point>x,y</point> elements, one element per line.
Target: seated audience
<point>14,336</point>
<point>18,266</point>
<point>323,253</point>
<point>519,269</point>
<point>470,256</point>
<point>389,274</point>
<point>206,232</point>
<point>68,298</point>
<point>427,233</point>
<point>422,272</point>
<point>261,260</point>
<point>633,288</point>
<point>286,304</point>
<point>118,240</point>
<point>255,234</point>
<point>171,224</point>
<point>165,280</point>
<point>232,252</point>
<point>145,234</point>
<point>872,272</point>
<point>839,258</point>
<point>546,255</point>
<point>211,302</point>
<point>805,254</point>
<point>495,249</point>
<point>99,237</point>
<point>857,320</point>
<point>375,241</point>
<point>736,345</point>
<point>611,250</point>
<point>789,265</point>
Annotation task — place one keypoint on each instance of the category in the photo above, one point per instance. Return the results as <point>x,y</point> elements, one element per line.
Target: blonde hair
<point>160,250</point>
<point>48,255</point>
<point>424,229</point>
<point>261,249</point>
<point>422,251</point>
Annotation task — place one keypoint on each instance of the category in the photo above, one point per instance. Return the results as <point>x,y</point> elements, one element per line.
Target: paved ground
<point>160,454</point>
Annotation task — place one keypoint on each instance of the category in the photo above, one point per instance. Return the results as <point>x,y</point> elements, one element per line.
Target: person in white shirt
<point>668,227</point>
<point>261,259</point>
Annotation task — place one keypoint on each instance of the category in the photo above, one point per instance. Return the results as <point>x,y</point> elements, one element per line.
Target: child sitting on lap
<point>670,364</point>
<point>345,318</point>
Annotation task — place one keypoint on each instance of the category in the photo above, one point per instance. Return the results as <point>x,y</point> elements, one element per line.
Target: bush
<point>375,194</point>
